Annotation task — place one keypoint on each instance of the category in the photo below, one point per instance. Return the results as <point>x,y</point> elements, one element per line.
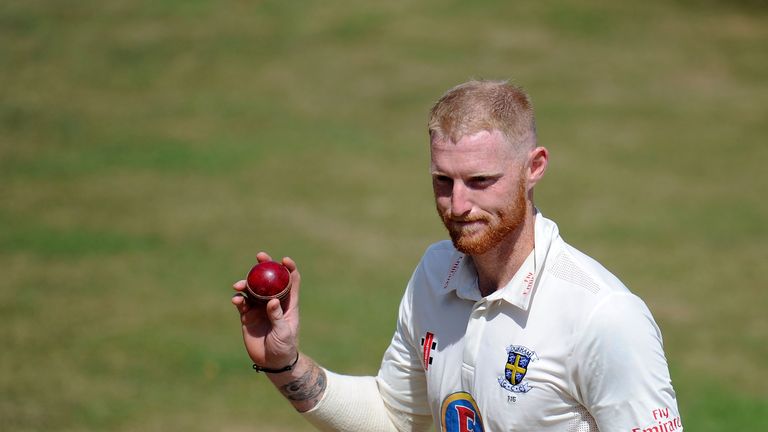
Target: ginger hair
<point>479,105</point>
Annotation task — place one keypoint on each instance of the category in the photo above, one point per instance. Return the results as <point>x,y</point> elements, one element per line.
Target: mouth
<point>464,225</point>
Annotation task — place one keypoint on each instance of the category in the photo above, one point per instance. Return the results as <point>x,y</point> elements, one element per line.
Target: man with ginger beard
<point>505,327</point>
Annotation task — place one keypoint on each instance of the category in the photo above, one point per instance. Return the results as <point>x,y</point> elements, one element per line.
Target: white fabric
<point>586,352</point>
<point>354,404</point>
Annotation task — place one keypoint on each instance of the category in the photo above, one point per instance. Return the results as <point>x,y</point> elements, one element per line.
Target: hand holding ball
<point>268,280</point>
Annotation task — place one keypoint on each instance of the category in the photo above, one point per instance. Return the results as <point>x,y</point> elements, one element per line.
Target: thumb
<point>274,311</point>
<point>283,336</point>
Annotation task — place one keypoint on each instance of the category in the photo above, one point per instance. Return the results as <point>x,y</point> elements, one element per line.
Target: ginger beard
<point>495,227</point>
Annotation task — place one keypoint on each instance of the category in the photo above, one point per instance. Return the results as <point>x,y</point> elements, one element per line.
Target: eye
<point>482,182</point>
<point>442,179</point>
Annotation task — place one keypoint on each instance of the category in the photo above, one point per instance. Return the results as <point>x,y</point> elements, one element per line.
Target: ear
<point>538,159</point>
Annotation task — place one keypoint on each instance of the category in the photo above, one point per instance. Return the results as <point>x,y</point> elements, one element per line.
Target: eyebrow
<point>436,173</point>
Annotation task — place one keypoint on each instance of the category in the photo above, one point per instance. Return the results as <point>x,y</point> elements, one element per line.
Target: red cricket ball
<point>268,280</point>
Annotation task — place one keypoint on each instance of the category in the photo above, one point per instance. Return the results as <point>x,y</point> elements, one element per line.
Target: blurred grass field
<point>148,150</point>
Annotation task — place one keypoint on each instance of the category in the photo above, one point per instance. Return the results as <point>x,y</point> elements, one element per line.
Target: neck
<point>498,266</point>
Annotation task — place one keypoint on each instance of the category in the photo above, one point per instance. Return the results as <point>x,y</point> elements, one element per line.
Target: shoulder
<point>437,266</point>
<point>609,320</point>
<point>573,267</point>
<point>434,264</point>
<point>571,285</point>
<point>425,287</point>
<point>438,253</point>
<point>441,269</point>
<point>595,302</point>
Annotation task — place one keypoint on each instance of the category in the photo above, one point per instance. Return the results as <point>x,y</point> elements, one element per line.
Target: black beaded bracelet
<point>258,368</point>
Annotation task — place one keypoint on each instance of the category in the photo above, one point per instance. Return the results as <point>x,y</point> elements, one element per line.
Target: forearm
<point>304,385</point>
<point>354,403</point>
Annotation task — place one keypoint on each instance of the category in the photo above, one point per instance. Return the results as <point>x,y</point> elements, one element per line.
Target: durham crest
<point>518,360</point>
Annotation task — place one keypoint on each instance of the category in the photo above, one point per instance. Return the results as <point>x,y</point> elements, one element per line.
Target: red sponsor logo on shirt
<point>428,343</point>
<point>664,423</point>
<point>452,271</point>
<point>528,282</point>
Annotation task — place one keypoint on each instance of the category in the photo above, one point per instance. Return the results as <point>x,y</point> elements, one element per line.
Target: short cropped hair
<point>475,106</point>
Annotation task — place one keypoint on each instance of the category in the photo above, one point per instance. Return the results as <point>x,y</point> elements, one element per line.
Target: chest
<point>496,365</point>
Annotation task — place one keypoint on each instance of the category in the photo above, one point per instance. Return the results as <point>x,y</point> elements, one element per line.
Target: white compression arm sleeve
<point>353,404</point>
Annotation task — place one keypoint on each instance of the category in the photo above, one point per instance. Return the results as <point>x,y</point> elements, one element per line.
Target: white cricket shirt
<point>564,347</point>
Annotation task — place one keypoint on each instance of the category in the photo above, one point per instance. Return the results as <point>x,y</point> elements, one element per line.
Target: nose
<point>460,202</point>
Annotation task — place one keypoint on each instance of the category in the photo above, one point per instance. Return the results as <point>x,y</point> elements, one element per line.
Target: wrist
<point>285,368</point>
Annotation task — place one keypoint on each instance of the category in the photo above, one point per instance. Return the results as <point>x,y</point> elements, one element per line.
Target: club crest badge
<point>519,359</point>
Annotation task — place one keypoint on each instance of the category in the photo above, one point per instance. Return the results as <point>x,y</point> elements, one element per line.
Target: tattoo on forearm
<point>309,386</point>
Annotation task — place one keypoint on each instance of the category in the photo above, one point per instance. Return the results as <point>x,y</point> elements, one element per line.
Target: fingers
<point>244,304</point>
<point>263,256</point>
<point>239,285</point>
<point>269,328</point>
<point>241,303</point>
<point>282,330</point>
<point>274,311</point>
<point>290,264</point>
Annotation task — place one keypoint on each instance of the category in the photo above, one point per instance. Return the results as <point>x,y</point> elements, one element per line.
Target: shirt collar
<point>462,275</point>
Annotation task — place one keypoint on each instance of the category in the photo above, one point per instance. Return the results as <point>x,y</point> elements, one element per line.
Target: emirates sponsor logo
<point>528,283</point>
<point>452,271</point>
<point>664,422</point>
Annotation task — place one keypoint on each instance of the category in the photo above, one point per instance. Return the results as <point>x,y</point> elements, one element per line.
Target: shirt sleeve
<point>621,371</point>
<point>394,400</point>
<point>401,378</point>
<point>354,403</point>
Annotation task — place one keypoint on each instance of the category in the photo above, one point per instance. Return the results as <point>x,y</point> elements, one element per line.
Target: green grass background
<point>149,149</point>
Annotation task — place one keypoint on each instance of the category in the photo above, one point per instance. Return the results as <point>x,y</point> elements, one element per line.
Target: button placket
<point>473,341</point>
